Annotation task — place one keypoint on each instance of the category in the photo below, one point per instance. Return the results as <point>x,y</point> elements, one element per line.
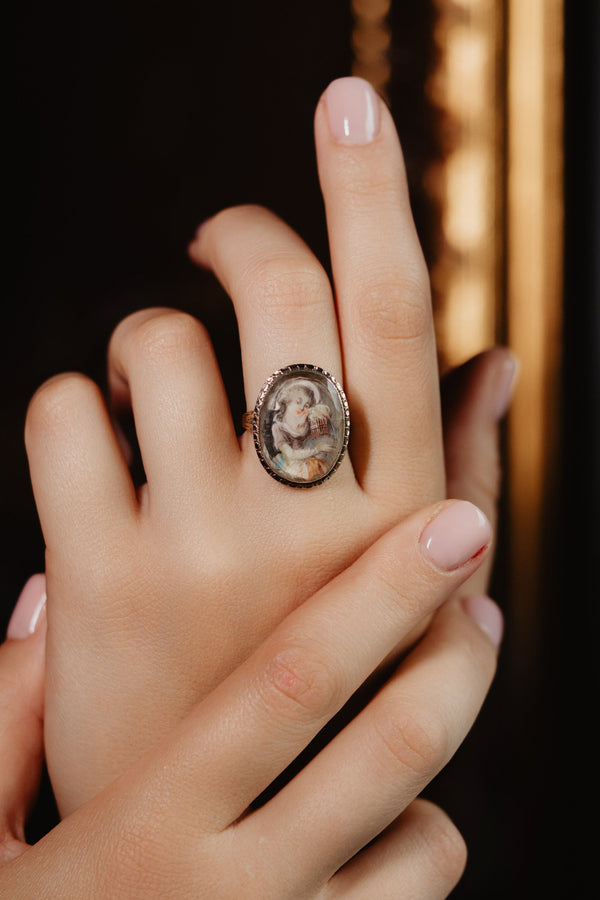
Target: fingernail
<point>487,615</point>
<point>29,608</point>
<point>504,388</point>
<point>457,534</point>
<point>353,110</point>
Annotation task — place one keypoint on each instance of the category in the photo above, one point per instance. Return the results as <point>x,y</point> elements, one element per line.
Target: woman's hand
<point>183,820</point>
<point>155,597</point>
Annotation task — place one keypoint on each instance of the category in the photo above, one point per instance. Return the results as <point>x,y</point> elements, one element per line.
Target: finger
<point>80,478</point>
<point>162,363</point>
<point>281,293</point>
<point>475,397</point>
<point>351,791</point>
<point>21,715</point>
<point>295,683</point>
<point>382,291</point>
<point>423,852</point>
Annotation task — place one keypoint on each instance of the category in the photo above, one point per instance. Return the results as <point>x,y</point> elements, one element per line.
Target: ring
<point>300,425</point>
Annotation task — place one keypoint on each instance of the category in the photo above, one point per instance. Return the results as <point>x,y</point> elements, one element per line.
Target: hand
<point>21,716</point>
<point>155,597</point>
<point>180,822</point>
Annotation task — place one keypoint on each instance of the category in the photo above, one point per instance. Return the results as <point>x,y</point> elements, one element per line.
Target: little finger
<point>281,293</point>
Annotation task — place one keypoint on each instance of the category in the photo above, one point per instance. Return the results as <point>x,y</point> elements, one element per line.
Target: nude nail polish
<point>457,534</point>
<point>29,608</point>
<point>352,110</point>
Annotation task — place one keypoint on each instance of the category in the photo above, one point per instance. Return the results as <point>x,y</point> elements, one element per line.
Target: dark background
<point>126,125</point>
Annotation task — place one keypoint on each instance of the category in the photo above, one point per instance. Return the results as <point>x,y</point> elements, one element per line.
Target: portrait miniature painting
<point>303,426</point>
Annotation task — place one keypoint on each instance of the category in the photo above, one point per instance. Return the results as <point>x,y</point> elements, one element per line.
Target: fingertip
<point>482,388</point>
<point>487,616</point>
<point>193,248</point>
<point>506,375</point>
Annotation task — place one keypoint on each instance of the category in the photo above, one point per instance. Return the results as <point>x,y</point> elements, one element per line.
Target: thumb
<point>21,714</point>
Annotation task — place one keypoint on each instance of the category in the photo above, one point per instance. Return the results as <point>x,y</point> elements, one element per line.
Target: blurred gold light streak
<point>498,273</point>
<point>466,88</point>
<point>371,39</point>
<point>534,288</point>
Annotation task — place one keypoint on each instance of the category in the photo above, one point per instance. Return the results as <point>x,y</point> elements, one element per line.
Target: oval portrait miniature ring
<point>300,425</point>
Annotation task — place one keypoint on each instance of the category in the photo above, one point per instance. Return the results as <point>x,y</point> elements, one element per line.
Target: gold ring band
<point>248,420</point>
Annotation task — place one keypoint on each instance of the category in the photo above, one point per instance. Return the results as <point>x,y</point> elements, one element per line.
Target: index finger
<point>261,718</point>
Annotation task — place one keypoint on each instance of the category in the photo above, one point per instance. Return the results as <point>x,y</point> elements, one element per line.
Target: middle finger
<point>382,292</point>
<point>384,758</point>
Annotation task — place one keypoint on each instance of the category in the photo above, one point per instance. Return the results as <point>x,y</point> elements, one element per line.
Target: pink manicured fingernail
<point>29,608</point>
<point>487,615</point>
<point>457,534</point>
<point>352,110</point>
<point>506,380</point>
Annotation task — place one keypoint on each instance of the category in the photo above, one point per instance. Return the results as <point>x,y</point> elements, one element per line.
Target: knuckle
<point>286,282</point>
<point>362,185</point>
<point>393,312</point>
<point>53,404</point>
<point>298,682</point>
<point>415,743</point>
<point>167,334</point>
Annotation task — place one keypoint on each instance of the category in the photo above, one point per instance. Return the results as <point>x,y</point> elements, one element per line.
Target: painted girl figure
<point>304,438</point>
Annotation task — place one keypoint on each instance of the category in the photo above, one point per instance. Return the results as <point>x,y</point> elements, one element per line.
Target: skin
<point>156,595</point>
<point>358,792</point>
<point>297,410</point>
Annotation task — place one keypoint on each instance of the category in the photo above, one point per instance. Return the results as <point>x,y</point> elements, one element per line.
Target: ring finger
<point>280,291</point>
